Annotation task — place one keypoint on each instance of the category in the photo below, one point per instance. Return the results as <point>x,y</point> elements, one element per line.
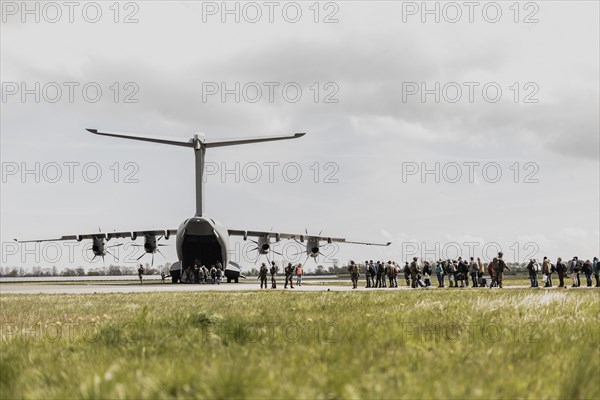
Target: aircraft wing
<point>299,236</point>
<point>106,235</point>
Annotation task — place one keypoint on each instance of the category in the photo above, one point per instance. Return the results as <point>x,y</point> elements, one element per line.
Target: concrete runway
<point>91,288</point>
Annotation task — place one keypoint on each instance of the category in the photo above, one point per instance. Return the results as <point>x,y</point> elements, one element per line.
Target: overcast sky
<point>513,92</point>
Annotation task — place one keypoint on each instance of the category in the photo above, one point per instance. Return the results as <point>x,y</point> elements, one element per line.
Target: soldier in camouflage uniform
<point>288,276</point>
<point>414,272</point>
<point>499,268</point>
<point>273,274</point>
<point>262,274</point>
<point>353,268</point>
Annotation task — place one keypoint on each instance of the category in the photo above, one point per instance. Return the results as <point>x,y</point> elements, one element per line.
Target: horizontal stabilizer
<point>145,139</point>
<point>257,139</point>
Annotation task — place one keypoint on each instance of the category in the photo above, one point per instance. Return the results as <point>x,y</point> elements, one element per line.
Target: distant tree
<point>79,271</point>
<point>114,270</point>
<point>68,272</point>
<point>54,271</point>
<point>95,272</point>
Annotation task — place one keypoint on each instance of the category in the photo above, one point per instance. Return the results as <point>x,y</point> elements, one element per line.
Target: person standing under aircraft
<point>493,273</point>
<point>368,273</point>
<point>288,275</point>
<point>299,273</point>
<point>596,269</point>
<point>213,274</point>
<point>262,274</point>
<point>141,274</point>
<point>353,268</point>
<point>273,275</point>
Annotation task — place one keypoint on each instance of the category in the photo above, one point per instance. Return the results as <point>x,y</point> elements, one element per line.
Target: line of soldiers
<point>460,272</point>
<point>289,273</point>
<point>198,273</point>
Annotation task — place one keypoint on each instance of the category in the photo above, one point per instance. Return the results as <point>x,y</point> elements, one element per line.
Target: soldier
<point>561,268</point>
<point>273,274</point>
<point>353,268</point>
<point>407,273</point>
<point>288,275</point>
<point>499,269</point>
<point>380,271</point>
<point>596,269</point>
<point>162,276</point>
<point>262,274</point>
<point>414,272</point>
<point>141,274</point>
<point>368,273</point>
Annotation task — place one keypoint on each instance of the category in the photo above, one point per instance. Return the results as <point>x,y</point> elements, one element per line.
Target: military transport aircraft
<point>201,237</point>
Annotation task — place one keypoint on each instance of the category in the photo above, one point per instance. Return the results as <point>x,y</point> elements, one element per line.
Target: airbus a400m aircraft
<point>200,237</point>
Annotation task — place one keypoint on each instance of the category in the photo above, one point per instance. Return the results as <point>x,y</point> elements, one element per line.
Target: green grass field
<point>324,345</point>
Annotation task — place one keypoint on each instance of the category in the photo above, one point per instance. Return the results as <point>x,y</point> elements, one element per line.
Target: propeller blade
<point>160,252</point>
<point>152,264</point>
<point>143,254</point>
<point>115,257</point>
<point>163,245</point>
